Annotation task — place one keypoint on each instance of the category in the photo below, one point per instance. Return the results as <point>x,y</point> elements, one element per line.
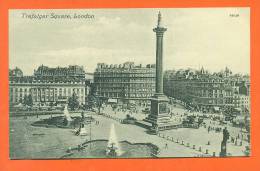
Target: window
<point>60,92</point>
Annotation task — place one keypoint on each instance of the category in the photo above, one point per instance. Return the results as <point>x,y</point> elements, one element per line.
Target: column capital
<point>159,30</point>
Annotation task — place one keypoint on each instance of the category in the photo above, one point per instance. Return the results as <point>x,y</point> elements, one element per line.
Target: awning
<point>19,105</point>
<point>131,101</point>
<point>238,109</point>
<point>112,100</point>
<point>239,119</point>
<point>62,100</point>
<point>216,108</point>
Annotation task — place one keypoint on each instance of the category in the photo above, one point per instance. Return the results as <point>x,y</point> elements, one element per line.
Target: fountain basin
<point>61,122</point>
<point>97,149</point>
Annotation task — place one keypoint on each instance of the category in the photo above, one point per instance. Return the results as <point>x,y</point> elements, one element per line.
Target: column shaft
<point>159,63</point>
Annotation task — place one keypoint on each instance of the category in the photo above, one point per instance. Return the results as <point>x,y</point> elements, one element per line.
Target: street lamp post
<point>90,130</point>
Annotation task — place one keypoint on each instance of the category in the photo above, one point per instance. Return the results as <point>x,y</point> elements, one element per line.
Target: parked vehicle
<point>146,110</point>
<point>129,120</point>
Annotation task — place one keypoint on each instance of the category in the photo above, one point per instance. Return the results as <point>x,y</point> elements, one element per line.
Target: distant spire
<point>159,19</point>
<point>202,70</point>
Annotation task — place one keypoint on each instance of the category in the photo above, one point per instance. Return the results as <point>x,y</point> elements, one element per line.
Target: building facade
<point>204,91</point>
<point>72,72</point>
<point>127,83</point>
<point>242,96</point>
<point>242,102</point>
<point>47,88</point>
<point>16,72</point>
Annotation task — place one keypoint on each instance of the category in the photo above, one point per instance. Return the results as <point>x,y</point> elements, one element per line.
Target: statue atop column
<point>159,19</point>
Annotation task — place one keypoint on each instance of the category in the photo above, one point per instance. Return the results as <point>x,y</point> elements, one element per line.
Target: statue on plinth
<point>223,152</point>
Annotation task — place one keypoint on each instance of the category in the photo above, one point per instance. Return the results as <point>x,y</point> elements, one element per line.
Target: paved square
<point>28,141</point>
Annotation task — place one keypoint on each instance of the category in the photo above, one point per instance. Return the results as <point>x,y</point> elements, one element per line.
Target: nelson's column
<point>159,116</point>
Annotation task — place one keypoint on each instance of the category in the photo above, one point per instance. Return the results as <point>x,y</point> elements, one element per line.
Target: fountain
<point>67,114</point>
<point>66,121</point>
<point>98,149</point>
<point>113,148</point>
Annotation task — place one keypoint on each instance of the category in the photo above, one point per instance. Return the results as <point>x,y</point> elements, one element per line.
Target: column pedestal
<point>159,116</point>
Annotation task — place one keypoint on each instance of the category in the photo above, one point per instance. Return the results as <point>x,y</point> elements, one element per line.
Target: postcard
<point>141,85</point>
<point>129,83</point>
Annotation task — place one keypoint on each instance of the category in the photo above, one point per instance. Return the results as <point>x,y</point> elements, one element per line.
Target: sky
<point>210,37</point>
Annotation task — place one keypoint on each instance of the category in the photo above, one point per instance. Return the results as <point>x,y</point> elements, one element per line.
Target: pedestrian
<point>166,146</point>
<point>69,150</point>
<point>79,147</point>
<point>232,139</point>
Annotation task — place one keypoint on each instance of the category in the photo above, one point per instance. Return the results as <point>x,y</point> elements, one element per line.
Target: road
<point>27,141</point>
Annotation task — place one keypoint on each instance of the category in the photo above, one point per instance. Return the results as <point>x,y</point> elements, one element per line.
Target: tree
<point>28,100</point>
<point>99,104</point>
<point>25,99</point>
<point>191,119</point>
<point>51,104</point>
<point>114,107</point>
<point>95,101</point>
<point>91,101</point>
<point>73,101</point>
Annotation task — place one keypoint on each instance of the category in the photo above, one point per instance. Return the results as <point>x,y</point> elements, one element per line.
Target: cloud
<point>195,37</point>
<point>89,56</point>
<point>113,22</point>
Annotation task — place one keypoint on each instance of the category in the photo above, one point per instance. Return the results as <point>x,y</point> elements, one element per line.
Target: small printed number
<point>233,15</point>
